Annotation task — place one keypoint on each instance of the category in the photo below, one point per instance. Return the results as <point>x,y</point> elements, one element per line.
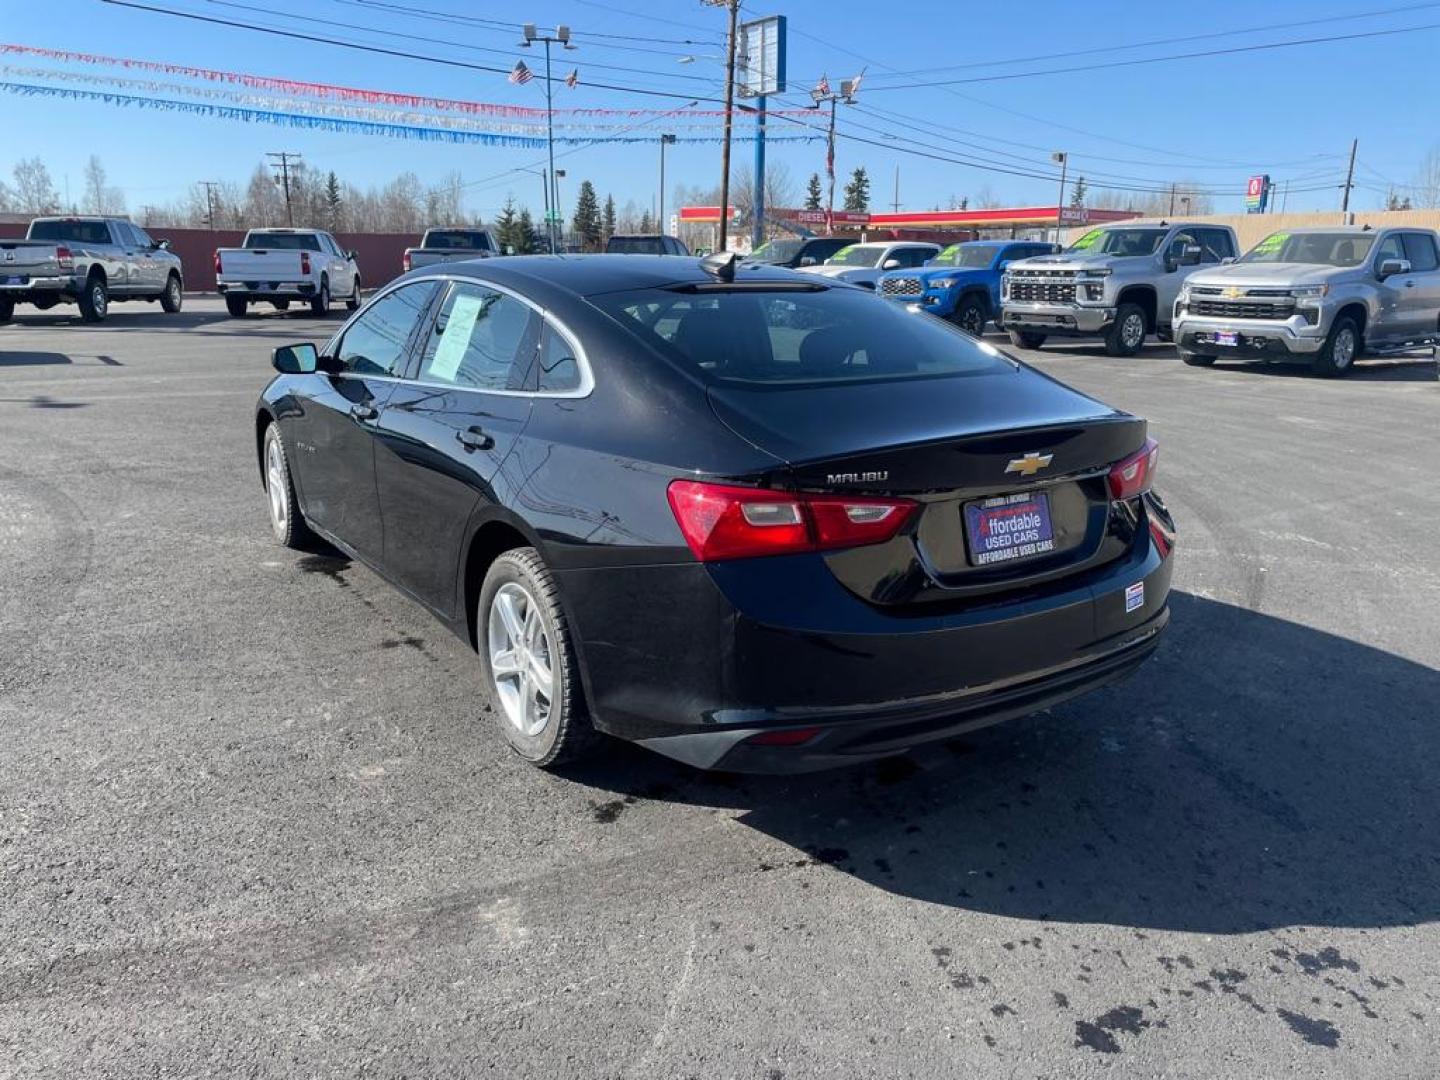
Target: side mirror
<point>808,260</point>
<point>1391,267</point>
<point>1002,264</point>
<point>298,359</point>
<point>162,245</point>
<point>890,264</point>
<point>352,254</point>
<point>1190,255</point>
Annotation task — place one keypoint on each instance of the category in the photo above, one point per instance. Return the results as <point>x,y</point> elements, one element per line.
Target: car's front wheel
<point>286,521</point>
<point>1127,334</point>
<point>1195,359</point>
<point>172,298</point>
<point>529,664</point>
<point>1341,348</point>
<point>971,315</point>
<point>1024,339</point>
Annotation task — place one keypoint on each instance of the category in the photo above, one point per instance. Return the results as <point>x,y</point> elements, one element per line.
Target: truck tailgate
<point>260,264</point>
<point>21,260</point>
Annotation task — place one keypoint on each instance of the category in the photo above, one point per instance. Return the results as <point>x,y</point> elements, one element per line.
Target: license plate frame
<point>1029,532</point>
<point>1230,339</point>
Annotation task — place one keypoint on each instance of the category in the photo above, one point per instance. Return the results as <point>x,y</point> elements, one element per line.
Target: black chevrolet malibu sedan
<point>749,519</point>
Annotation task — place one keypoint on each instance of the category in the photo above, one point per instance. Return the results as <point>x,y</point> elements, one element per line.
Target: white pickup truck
<point>281,265</point>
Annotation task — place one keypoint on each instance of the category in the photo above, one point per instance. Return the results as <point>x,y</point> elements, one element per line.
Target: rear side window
<point>375,342</point>
<point>559,367</point>
<point>73,232</point>
<point>482,340</point>
<point>789,337</point>
<point>1420,250</point>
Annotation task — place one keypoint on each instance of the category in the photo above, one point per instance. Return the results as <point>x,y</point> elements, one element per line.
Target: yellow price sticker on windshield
<point>1089,240</point>
<point>1271,244</point>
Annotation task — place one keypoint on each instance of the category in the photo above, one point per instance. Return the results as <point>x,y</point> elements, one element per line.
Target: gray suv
<point>1327,295</point>
<point>1117,282</point>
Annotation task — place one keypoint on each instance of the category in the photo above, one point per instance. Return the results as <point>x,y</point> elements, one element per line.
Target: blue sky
<point>1212,121</point>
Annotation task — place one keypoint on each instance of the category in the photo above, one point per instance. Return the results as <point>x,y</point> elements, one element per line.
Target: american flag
<point>573,79</point>
<point>823,86</point>
<point>521,74</point>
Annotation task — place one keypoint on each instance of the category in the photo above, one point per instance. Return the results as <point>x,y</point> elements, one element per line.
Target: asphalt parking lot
<point>252,822</point>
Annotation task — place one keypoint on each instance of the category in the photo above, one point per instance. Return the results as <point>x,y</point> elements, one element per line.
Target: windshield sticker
<point>950,254</point>
<point>456,338</point>
<point>1271,244</point>
<point>1089,240</point>
<point>846,250</point>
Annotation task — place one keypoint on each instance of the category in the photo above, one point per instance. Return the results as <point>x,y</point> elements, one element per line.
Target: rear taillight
<point>724,522</point>
<point>64,258</point>
<point>305,262</point>
<point>218,268</point>
<point>405,262</point>
<point>1133,476</point>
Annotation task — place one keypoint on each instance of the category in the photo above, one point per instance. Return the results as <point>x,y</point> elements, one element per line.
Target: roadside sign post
<point>762,73</point>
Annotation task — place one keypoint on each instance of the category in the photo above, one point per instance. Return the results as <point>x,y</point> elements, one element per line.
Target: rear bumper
<point>693,662</point>
<point>267,290</point>
<point>1072,320</point>
<point>49,285</point>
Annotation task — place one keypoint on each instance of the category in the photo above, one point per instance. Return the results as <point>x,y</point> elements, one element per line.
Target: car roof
<point>590,275</point>
<point>1352,230</point>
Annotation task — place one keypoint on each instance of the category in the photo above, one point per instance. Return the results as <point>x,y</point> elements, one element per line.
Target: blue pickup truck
<point>962,283</point>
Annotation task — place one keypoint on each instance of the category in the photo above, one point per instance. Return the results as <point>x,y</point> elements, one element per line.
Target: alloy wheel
<point>1343,350</point>
<point>1133,332</point>
<point>520,659</point>
<point>972,321</point>
<point>276,487</point>
<point>98,299</point>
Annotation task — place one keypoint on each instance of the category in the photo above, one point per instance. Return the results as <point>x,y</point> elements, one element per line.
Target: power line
<point>1201,54</point>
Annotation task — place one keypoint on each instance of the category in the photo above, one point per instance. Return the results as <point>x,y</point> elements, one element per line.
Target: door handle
<point>364,412</point>
<point>474,438</point>
<point>1409,284</point>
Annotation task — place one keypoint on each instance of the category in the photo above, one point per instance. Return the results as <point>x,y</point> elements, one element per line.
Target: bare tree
<point>985,199</point>
<point>8,201</point>
<point>1425,192</point>
<point>34,191</point>
<point>100,197</point>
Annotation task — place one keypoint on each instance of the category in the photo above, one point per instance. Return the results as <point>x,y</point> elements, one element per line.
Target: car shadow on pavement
<point>1405,369</point>
<point>31,359</point>
<point>1256,773</point>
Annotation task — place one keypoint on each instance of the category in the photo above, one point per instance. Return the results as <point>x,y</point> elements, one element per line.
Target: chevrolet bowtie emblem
<point>1232,293</point>
<point>1030,464</point>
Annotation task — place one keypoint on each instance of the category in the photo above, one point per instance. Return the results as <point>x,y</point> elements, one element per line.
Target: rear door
<point>1424,284</point>
<point>115,248</point>
<point>445,434</point>
<point>334,435</point>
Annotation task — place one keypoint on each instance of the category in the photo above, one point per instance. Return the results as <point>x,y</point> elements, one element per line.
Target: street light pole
<point>1061,158</point>
<point>562,36</point>
<point>665,140</point>
<point>818,98</point>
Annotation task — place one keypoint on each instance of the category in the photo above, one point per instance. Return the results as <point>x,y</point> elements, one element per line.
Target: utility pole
<point>821,95</point>
<point>1172,200</point>
<point>1349,178</point>
<point>665,140</point>
<point>1061,158</point>
<point>561,36</point>
<point>734,11</point>
<point>209,186</point>
<point>895,206</point>
<point>285,158</point>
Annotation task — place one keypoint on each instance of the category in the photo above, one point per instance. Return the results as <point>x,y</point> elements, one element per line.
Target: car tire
<point>971,315</point>
<point>1342,345</point>
<point>519,610</point>
<point>172,298</point>
<point>1024,339</point>
<point>321,304</point>
<point>236,305</point>
<point>94,300</point>
<point>7,309</point>
<point>353,304</point>
<point>1126,335</point>
<point>287,524</point>
<point>1195,359</point>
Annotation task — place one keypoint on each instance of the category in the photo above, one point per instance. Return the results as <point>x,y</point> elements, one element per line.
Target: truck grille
<point>1277,311</point>
<point>1045,292</point>
<point>905,286</point>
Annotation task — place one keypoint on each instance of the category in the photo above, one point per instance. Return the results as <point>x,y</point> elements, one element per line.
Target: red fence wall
<point>379,253</point>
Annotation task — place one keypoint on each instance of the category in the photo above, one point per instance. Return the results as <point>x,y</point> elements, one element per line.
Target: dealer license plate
<point>12,280</point>
<point>1008,527</point>
<point>1227,337</point>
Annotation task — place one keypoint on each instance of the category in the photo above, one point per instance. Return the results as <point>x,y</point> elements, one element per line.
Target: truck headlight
<point>1309,292</point>
<point>1005,287</point>
<point>943,283</point>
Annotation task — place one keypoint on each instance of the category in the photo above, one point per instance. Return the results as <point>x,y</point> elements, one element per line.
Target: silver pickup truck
<point>89,261</point>
<point>1327,295</point>
<point>1117,282</point>
<point>449,245</point>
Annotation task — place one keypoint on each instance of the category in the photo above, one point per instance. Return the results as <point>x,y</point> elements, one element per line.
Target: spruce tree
<point>857,191</point>
<point>526,242</point>
<point>813,194</point>
<point>607,225</point>
<point>506,225</point>
<point>586,221</point>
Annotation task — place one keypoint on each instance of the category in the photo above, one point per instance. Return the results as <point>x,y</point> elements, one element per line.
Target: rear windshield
<point>635,245</point>
<point>789,337</point>
<point>1321,249</point>
<point>968,256</point>
<point>74,232</point>
<point>457,240</point>
<point>283,241</point>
